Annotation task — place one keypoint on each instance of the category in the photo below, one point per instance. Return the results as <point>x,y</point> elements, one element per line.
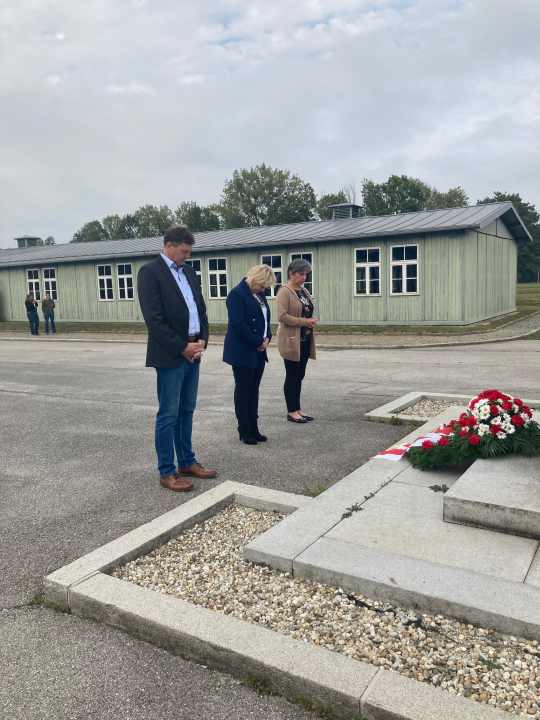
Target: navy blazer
<point>246,327</point>
<point>166,314</point>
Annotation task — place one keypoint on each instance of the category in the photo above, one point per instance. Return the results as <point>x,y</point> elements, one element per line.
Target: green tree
<point>266,196</point>
<point>325,199</point>
<point>402,194</point>
<point>528,253</point>
<point>153,221</point>
<point>92,231</point>
<point>48,241</point>
<point>111,225</point>
<point>126,229</point>
<point>198,218</point>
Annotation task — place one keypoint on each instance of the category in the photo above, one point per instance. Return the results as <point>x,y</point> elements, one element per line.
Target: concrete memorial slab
<point>500,494</point>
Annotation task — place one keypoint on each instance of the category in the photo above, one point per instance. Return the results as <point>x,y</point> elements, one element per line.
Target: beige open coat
<point>289,314</point>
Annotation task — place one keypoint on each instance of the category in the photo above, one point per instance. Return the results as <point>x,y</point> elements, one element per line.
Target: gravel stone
<point>427,408</point>
<point>205,566</point>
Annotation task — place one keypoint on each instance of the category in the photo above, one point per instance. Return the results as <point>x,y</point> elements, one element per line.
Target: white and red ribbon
<point>396,452</point>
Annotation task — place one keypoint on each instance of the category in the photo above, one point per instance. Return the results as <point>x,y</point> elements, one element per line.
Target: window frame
<point>312,281</point>
<point>31,282</point>
<point>272,292</point>
<point>218,272</point>
<point>49,281</point>
<point>104,277</point>
<point>197,272</point>
<point>124,276</point>
<point>403,263</point>
<point>367,265</point>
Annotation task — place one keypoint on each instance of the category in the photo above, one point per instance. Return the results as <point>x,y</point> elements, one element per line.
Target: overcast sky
<point>111,104</point>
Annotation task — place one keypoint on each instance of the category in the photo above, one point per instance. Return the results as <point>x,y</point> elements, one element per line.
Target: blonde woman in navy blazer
<point>248,335</point>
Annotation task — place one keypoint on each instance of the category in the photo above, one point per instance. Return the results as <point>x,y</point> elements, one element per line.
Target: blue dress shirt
<point>187,293</point>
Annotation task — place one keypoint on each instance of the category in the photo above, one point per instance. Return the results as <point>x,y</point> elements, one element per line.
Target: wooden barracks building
<point>440,267</point>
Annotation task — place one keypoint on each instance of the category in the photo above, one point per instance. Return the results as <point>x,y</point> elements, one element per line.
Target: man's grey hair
<point>299,265</point>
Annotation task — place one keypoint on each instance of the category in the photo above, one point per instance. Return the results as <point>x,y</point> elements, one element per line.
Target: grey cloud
<point>159,102</point>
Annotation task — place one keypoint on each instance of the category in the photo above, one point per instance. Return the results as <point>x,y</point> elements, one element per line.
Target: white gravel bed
<point>205,566</point>
<point>427,408</point>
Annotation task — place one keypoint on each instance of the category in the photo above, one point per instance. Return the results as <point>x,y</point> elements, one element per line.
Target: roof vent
<point>26,241</point>
<point>341,211</point>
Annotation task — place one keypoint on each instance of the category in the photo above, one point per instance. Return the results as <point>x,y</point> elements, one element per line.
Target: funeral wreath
<point>494,424</point>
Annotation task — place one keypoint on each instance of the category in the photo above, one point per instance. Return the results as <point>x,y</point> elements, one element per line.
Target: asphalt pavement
<point>78,469</point>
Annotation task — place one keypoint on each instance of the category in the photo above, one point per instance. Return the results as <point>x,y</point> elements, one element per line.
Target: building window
<point>404,269</point>
<point>196,265</point>
<point>217,278</point>
<point>33,283</point>
<point>273,261</point>
<point>309,279</point>
<point>367,271</point>
<point>125,282</point>
<point>49,280</point>
<point>105,282</point>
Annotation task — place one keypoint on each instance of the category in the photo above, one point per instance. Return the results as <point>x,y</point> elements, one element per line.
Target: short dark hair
<point>47,293</point>
<point>179,234</point>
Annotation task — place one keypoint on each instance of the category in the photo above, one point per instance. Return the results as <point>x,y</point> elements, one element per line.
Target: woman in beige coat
<point>296,341</point>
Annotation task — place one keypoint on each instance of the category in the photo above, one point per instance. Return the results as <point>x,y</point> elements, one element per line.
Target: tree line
<point>262,195</point>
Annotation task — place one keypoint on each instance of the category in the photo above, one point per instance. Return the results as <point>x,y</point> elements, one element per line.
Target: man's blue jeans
<point>49,316</point>
<point>177,396</point>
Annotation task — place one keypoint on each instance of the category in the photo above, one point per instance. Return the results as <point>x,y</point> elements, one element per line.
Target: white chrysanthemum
<point>526,420</point>
<point>501,435</point>
<point>483,413</point>
<point>474,413</point>
<point>496,420</point>
<point>516,409</point>
<point>482,402</point>
<point>483,429</point>
<point>506,417</point>
<point>510,429</point>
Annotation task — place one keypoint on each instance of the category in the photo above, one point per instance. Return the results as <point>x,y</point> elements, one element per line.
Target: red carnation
<point>526,411</point>
<point>507,406</point>
<point>517,420</point>
<point>505,397</point>
<point>443,440</point>
<point>519,402</point>
<point>474,439</point>
<point>493,409</point>
<point>464,422</point>
<point>427,444</point>
<point>495,428</point>
<point>471,422</point>
<point>463,433</point>
<point>452,423</point>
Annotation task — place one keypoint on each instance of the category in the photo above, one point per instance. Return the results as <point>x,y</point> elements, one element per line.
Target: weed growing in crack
<point>260,684</point>
<point>439,488</point>
<point>320,488</point>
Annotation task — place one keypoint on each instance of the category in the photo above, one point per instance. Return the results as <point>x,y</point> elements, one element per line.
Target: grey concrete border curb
<point>294,668</point>
<point>389,410</point>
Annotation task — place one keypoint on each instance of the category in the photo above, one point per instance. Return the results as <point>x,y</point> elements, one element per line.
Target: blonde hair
<point>262,274</point>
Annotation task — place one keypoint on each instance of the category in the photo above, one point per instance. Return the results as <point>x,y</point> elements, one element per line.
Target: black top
<point>307,312</point>
<point>31,306</point>
<point>166,313</point>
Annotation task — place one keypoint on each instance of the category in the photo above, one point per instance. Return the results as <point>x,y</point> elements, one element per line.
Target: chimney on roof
<point>342,211</point>
<point>27,241</point>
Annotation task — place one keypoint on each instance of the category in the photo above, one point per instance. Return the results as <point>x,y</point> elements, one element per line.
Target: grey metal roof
<point>464,218</point>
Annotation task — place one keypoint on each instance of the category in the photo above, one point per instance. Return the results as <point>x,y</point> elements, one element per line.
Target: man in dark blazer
<point>175,315</point>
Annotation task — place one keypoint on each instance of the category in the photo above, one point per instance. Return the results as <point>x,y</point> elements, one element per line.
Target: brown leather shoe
<point>175,482</point>
<point>198,471</point>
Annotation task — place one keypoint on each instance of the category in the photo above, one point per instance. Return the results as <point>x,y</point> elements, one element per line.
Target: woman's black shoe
<point>255,432</point>
<point>308,417</point>
<point>246,435</point>
<point>302,421</point>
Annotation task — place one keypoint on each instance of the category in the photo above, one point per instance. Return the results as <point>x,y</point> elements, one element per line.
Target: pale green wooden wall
<point>463,277</point>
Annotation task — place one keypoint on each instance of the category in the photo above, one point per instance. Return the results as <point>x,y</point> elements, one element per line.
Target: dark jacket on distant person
<point>245,330</point>
<point>166,313</point>
<point>47,306</point>
<point>31,306</point>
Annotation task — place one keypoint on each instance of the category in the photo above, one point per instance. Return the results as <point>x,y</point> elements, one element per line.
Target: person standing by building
<point>47,307</point>
<point>248,335</point>
<point>32,314</point>
<point>175,315</point>
<point>296,340</point>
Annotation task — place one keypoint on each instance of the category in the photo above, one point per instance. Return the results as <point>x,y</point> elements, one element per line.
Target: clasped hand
<point>264,345</point>
<point>194,351</point>
<point>311,322</point>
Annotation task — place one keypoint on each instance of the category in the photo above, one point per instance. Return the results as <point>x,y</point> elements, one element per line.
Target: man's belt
<point>193,338</point>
